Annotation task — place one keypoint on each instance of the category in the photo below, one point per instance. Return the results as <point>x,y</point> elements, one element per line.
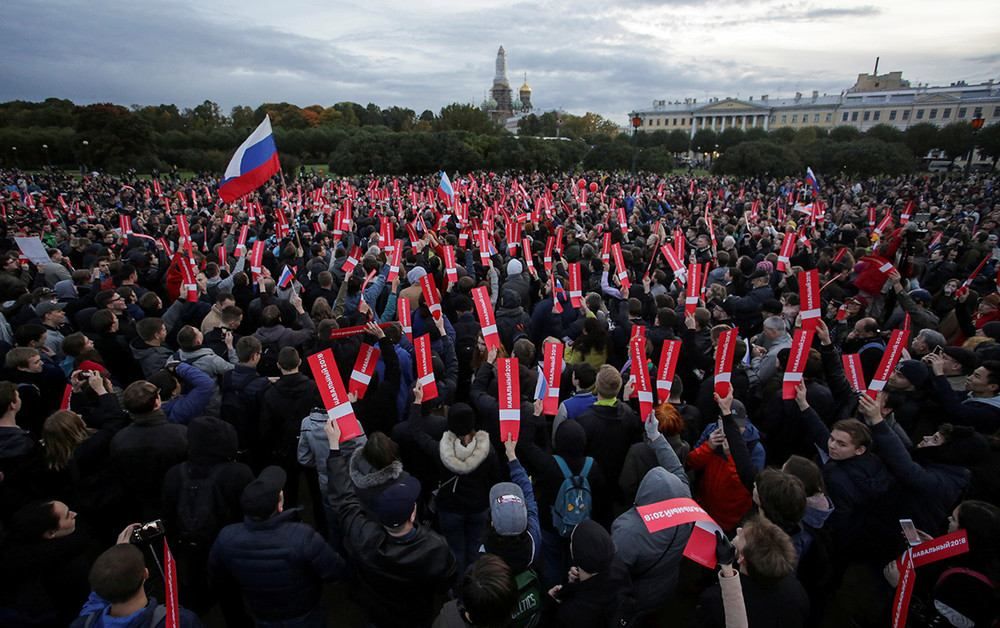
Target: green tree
<point>759,158</point>
<point>988,141</point>
<point>656,159</point>
<point>921,138</point>
<point>704,141</point>
<point>756,134</point>
<point>730,137</point>
<point>114,136</point>
<point>885,132</point>
<point>207,115</point>
<point>610,156</point>
<point>678,142</point>
<point>459,117</point>
<point>845,134</point>
<point>242,117</point>
<point>956,140</point>
<point>782,135</point>
<point>870,157</point>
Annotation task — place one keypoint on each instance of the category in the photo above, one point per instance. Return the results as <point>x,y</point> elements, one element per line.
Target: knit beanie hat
<point>591,547</point>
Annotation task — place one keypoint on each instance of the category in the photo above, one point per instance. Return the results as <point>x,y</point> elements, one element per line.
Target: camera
<point>147,532</point>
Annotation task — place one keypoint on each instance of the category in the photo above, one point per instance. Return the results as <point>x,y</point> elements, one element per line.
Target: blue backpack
<point>573,501</point>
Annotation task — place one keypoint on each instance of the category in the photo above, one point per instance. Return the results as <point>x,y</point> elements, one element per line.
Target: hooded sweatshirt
<point>150,358</point>
<point>653,560</point>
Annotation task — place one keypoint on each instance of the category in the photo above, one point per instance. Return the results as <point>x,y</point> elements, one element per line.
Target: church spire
<point>501,75</point>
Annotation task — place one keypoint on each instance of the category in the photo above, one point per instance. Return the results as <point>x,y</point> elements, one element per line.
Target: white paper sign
<point>34,250</point>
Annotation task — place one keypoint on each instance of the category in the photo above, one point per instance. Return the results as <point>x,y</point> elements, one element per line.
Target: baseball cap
<point>393,506</point>
<point>45,307</point>
<point>260,497</point>
<point>508,513</point>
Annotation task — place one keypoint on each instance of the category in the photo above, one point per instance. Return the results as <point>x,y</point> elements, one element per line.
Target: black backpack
<point>201,507</point>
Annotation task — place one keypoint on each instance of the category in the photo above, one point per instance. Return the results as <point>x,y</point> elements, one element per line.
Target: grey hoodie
<point>207,361</point>
<point>653,560</point>
<point>314,447</point>
<point>150,358</point>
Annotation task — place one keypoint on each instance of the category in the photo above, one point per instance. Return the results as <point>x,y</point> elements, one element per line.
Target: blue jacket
<point>139,619</point>
<point>280,565</point>
<point>192,403</point>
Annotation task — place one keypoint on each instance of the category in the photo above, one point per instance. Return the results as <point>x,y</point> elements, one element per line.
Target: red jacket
<point>720,491</point>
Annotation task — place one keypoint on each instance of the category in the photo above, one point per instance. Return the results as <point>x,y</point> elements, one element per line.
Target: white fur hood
<point>464,459</point>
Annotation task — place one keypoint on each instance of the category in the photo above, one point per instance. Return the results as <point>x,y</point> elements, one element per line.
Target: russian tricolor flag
<point>287,275</point>
<point>445,189</point>
<point>812,180</point>
<point>255,161</point>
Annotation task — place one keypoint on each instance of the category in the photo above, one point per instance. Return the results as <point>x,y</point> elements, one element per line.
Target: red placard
<point>668,366</point>
<point>547,257</point>
<point>425,367</point>
<point>256,257</point>
<point>606,247</point>
<point>364,367</point>
<point>796,365</point>
<point>787,248</point>
<point>509,391</point>
<point>620,269</point>
<point>701,544</point>
<point>640,371</point>
<point>241,242</point>
<point>395,260</point>
<point>904,589</point>
<point>173,618</point>
<point>890,357</point>
<point>352,260</point>
<point>405,315</point>
<point>487,319</point>
<point>450,270</point>
<point>946,546</point>
<point>575,285</point>
<point>552,361</point>
<point>724,351</point>
<point>431,296</point>
<point>526,254</point>
<point>853,372</point>
<point>671,513</point>
<point>331,389</point>
<point>675,263</point>
<point>809,298</point>
<point>693,286</point>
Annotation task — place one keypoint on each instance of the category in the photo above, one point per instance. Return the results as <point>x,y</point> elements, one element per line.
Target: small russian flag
<point>287,275</point>
<point>541,386</point>
<point>812,180</point>
<point>445,189</point>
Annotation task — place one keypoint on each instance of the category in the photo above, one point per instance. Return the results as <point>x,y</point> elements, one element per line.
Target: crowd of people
<point>156,392</point>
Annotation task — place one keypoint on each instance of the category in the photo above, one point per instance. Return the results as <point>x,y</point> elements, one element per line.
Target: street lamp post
<point>13,153</point>
<point>977,123</point>
<point>636,123</point>
<point>45,149</point>
<point>83,167</point>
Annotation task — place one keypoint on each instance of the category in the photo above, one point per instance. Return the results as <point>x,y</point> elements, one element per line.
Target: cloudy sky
<point>580,55</point>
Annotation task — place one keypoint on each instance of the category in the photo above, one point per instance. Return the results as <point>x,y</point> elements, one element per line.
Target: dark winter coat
<point>279,564</point>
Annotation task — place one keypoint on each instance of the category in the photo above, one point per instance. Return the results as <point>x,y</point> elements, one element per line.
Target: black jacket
<point>611,431</point>
<point>284,405</point>
<point>279,565</point>
<point>781,604</point>
<point>398,578</point>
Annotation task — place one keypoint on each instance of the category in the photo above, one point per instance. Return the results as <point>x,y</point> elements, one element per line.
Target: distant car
<point>939,165</point>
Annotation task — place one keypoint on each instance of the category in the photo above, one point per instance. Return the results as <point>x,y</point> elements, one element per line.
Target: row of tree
<point>354,139</point>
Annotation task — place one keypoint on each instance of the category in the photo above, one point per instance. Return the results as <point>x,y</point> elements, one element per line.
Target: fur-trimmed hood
<point>464,459</point>
<point>365,476</point>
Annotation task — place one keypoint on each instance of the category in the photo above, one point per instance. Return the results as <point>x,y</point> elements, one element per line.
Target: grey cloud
<point>842,12</point>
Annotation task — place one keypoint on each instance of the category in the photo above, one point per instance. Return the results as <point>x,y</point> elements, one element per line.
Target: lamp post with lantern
<point>636,123</point>
<point>977,123</point>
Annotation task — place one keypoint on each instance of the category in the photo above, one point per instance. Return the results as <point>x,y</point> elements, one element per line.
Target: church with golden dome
<point>501,104</point>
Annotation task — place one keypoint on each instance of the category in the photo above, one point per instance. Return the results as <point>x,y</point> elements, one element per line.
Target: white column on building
<point>723,128</point>
<point>767,119</point>
<point>694,122</point>
<point>743,123</point>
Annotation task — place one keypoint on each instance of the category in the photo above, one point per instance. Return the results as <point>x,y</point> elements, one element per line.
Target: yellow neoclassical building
<point>872,100</point>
